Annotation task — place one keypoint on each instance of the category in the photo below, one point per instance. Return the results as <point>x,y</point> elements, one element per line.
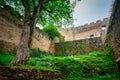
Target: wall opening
<point>92,35</point>
<point>103,27</point>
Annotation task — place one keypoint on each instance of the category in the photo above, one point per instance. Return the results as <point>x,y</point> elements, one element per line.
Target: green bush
<point>51,31</point>
<point>37,53</point>
<point>6,57</point>
<point>40,62</point>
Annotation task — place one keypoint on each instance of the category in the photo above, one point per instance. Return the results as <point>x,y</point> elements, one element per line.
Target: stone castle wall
<point>79,46</point>
<point>10,32</point>
<point>94,29</point>
<point>82,39</point>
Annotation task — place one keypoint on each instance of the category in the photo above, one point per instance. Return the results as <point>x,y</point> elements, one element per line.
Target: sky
<point>87,11</point>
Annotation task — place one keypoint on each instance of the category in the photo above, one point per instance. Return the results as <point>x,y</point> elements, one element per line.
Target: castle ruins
<point>92,30</point>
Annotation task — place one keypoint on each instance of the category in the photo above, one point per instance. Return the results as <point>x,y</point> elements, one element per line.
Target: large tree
<point>38,11</point>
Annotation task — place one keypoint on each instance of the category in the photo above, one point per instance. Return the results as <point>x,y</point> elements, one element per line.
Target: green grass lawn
<point>91,66</point>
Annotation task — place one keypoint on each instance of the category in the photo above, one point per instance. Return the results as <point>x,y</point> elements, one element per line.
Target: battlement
<point>94,29</point>
<point>93,25</point>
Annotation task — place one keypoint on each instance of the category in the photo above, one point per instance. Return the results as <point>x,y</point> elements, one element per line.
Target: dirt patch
<point>7,73</point>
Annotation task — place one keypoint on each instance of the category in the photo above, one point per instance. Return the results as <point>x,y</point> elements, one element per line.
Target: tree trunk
<point>22,53</point>
<point>32,28</point>
<point>33,25</point>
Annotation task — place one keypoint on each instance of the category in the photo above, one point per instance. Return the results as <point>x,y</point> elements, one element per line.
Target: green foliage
<point>51,31</point>
<point>6,57</point>
<point>110,22</point>
<point>64,48</point>
<point>82,46</point>
<point>57,12</point>
<point>103,77</point>
<point>62,38</point>
<point>2,2</point>
<point>40,62</point>
<point>108,46</point>
<point>37,53</point>
<point>13,51</point>
<point>9,7</point>
<point>112,13</point>
<point>113,8</point>
<point>13,11</point>
<point>91,66</point>
<point>35,67</point>
<point>94,64</point>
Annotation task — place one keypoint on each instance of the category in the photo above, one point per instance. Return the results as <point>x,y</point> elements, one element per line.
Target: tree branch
<point>27,8</point>
<point>37,11</point>
<point>34,20</point>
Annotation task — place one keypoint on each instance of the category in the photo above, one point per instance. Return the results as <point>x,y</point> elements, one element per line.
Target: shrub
<point>51,31</point>
<point>37,53</point>
<point>6,57</point>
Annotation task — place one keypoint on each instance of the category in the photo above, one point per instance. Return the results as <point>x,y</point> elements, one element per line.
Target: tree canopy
<point>57,12</point>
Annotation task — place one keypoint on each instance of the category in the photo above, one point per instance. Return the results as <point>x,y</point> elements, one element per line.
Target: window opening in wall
<point>103,27</point>
<point>92,35</point>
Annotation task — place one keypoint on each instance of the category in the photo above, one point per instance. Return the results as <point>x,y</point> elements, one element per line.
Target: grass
<point>5,58</point>
<point>91,66</point>
<point>34,67</point>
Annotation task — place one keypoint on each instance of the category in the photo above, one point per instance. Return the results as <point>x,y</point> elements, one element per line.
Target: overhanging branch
<point>27,8</point>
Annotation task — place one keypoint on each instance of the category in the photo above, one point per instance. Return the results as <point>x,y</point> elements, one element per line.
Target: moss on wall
<point>78,46</point>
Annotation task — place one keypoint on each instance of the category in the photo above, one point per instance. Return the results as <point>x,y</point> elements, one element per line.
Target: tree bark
<point>34,22</point>
<point>22,53</point>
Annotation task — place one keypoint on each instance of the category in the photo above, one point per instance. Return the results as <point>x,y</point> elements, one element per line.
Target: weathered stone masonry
<point>94,29</point>
<point>79,46</point>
